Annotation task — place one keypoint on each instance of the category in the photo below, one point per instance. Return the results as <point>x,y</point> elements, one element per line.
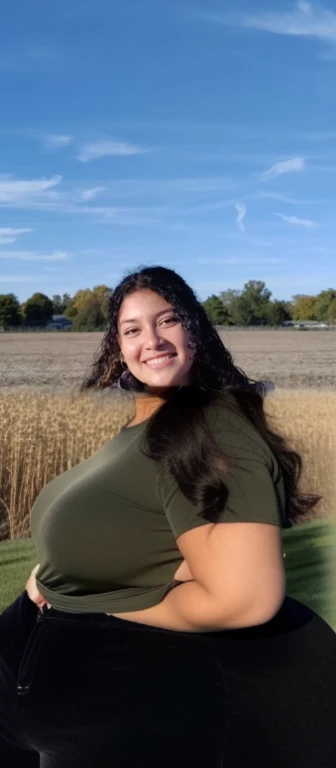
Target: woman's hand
<point>183,572</point>
<point>32,590</point>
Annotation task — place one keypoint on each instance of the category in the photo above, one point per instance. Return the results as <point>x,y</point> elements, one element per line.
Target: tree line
<point>88,308</point>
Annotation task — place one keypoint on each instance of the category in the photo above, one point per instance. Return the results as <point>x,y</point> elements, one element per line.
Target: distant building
<point>59,322</point>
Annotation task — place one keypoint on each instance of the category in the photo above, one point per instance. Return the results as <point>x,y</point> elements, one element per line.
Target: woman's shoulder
<point>233,430</point>
<point>220,414</point>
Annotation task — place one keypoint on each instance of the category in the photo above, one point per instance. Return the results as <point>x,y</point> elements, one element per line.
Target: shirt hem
<point>107,602</point>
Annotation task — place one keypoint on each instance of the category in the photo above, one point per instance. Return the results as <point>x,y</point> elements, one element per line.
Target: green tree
<point>66,301</point>
<point>304,307</point>
<point>332,312</point>
<point>228,297</point>
<point>217,313</point>
<point>323,302</point>
<point>58,307</point>
<point>249,306</point>
<point>103,293</point>
<point>70,311</point>
<point>241,312</point>
<point>257,298</point>
<point>277,312</point>
<point>75,305</point>
<point>10,313</point>
<point>289,309</point>
<point>60,303</point>
<point>37,310</point>
<point>231,303</point>
<point>89,316</point>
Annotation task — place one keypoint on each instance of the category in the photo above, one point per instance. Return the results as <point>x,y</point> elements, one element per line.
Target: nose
<point>153,339</point>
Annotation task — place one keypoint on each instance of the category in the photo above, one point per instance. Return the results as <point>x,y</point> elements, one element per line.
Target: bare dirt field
<point>58,361</point>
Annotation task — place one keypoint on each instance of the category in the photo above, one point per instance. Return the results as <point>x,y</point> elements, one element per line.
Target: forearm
<point>186,608</point>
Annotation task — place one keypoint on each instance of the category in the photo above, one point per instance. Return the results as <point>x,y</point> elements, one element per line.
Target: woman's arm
<point>186,608</point>
<point>240,580</point>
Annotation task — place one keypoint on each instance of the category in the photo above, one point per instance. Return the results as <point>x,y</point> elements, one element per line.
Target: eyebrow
<point>136,319</point>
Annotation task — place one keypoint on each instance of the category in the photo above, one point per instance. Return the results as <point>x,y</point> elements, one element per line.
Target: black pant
<point>81,690</point>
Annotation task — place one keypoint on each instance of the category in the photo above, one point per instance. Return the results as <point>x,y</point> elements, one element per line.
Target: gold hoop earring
<point>122,361</point>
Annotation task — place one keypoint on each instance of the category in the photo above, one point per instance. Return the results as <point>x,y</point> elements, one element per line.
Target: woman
<point>156,629</point>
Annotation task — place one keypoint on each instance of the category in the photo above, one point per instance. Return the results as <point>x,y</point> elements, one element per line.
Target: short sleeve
<point>255,484</point>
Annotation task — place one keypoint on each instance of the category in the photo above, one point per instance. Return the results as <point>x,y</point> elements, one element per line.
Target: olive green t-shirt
<point>105,530</point>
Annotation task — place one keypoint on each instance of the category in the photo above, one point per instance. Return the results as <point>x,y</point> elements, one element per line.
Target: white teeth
<point>158,360</point>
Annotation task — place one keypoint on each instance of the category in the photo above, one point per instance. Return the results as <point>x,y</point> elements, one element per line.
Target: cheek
<point>132,349</point>
<point>181,340</point>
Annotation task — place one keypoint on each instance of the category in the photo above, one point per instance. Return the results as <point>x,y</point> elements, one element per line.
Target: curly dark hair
<point>177,434</point>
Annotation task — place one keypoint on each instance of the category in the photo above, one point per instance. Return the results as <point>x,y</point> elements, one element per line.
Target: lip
<point>158,366</point>
<point>158,356</point>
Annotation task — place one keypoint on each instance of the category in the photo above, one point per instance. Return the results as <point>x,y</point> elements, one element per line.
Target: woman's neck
<point>145,405</point>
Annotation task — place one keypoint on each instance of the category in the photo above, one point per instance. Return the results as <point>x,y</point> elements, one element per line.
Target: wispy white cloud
<point>12,231</point>
<point>9,234</point>
<point>98,149</point>
<point>298,222</point>
<point>279,196</point>
<point>164,188</point>
<point>118,215</point>
<point>15,190</point>
<point>33,256</point>
<point>122,216</point>
<point>158,199</point>
<point>306,19</point>
<point>285,198</point>
<point>40,195</point>
<point>53,141</point>
<point>286,166</point>
<point>91,194</point>
<point>241,210</point>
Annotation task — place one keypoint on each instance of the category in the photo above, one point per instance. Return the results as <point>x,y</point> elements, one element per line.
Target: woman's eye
<point>167,320</point>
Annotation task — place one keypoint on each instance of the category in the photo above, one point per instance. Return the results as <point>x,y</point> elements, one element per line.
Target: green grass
<point>310,567</point>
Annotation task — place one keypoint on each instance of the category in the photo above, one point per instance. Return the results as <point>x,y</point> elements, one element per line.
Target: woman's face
<point>148,328</point>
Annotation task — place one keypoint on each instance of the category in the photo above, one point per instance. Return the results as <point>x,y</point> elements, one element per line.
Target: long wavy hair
<point>177,434</point>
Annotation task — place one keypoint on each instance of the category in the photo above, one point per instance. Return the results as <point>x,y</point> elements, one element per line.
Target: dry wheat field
<point>47,426</point>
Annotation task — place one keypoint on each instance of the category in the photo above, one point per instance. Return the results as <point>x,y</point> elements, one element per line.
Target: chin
<point>180,379</point>
<point>161,387</point>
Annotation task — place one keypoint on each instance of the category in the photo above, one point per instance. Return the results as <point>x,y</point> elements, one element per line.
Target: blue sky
<point>197,135</point>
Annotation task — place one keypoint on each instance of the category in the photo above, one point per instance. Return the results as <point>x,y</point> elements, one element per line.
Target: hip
<point>296,649</point>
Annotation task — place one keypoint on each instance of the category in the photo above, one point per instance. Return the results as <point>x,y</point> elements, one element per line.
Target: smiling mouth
<point>152,362</point>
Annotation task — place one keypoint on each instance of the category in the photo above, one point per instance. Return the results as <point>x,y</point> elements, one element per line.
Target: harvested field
<point>58,361</point>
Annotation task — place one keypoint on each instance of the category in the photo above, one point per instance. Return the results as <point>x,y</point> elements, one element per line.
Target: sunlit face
<point>148,328</point>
